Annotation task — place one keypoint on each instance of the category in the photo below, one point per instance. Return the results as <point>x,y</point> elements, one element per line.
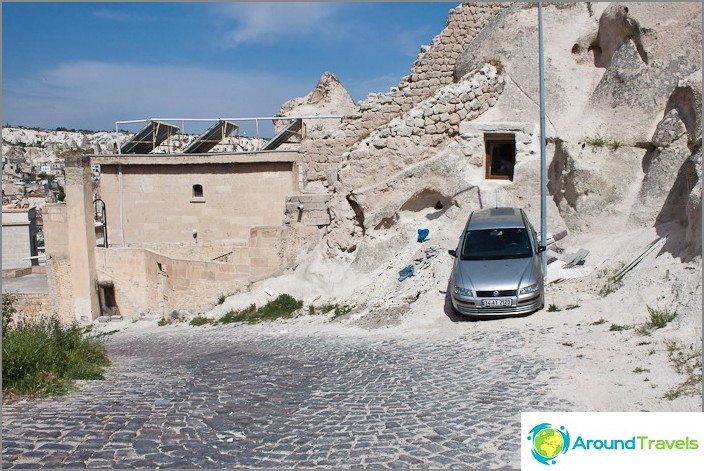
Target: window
<point>197,191</point>
<point>500,156</point>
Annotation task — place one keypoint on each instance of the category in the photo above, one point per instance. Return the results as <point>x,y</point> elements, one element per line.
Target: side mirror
<point>452,252</point>
<point>541,249</point>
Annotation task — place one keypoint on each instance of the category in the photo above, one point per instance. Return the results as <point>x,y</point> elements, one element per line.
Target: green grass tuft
<point>284,306</point>
<point>659,318</point>
<point>201,320</point>
<point>43,357</point>
<point>337,310</point>
<point>238,316</point>
<point>553,308</point>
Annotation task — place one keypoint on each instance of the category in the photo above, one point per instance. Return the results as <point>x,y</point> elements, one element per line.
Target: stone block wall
<point>309,210</point>
<point>59,272</point>
<point>158,203</point>
<point>432,70</point>
<point>415,136</point>
<point>473,134</point>
<point>33,306</point>
<point>19,234</point>
<point>150,285</point>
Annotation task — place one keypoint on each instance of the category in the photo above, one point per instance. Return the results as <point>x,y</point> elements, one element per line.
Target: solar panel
<point>212,137</point>
<point>146,140</point>
<point>290,130</point>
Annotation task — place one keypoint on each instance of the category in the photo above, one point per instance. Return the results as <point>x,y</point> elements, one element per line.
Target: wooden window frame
<point>491,139</point>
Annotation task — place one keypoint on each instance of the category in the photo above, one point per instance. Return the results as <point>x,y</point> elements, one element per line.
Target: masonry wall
<point>19,231</point>
<point>58,266</point>
<point>33,306</point>
<point>159,207</point>
<point>149,285</point>
<point>433,69</point>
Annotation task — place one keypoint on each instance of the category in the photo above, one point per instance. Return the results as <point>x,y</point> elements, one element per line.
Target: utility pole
<point>543,161</point>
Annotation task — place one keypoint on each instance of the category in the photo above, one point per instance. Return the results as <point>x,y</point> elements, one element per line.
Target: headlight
<point>529,289</point>
<point>463,291</point>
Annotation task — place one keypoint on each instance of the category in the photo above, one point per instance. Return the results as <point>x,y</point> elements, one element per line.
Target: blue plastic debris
<point>423,234</point>
<point>410,270</point>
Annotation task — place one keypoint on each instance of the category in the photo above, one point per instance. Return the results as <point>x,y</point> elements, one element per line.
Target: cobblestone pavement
<point>256,397</point>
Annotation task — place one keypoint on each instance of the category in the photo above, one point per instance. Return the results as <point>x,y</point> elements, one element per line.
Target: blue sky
<point>86,65</point>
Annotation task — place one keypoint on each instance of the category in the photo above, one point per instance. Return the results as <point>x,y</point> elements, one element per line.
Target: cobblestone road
<point>246,396</point>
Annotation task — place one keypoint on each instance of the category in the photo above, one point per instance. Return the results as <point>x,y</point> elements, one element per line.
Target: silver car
<point>497,270</point>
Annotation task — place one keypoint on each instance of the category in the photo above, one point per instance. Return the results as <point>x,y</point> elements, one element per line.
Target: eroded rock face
<point>406,159</point>
<point>670,175</point>
<point>593,185</point>
<point>329,97</point>
<point>693,209</point>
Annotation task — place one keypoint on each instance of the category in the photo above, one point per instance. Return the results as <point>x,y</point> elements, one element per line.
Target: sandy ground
<point>597,368</point>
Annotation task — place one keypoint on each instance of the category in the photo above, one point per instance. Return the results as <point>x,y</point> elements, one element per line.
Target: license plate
<point>496,302</point>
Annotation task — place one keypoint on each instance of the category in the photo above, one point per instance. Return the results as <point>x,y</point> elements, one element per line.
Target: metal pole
<point>543,163</point>
<point>117,138</point>
<point>122,220</point>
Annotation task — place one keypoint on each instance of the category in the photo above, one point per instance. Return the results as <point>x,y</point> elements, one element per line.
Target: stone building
<point>181,231</point>
<point>19,238</point>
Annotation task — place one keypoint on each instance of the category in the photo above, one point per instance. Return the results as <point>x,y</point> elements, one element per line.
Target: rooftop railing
<point>170,135</point>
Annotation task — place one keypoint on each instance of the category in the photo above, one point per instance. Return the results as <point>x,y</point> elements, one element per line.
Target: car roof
<point>495,218</point>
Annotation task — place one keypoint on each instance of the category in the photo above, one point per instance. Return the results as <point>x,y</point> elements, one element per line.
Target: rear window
<point>496,244</point>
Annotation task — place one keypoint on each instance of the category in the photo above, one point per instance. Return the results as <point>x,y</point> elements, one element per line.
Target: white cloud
<point>90,95</point>
<point>270,22</point>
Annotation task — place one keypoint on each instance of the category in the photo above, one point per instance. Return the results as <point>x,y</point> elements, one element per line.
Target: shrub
<point>553,308</point>
<point>327,308</point>
<point>221,298</point>
<point>43,357</point>
<point>201,320</point>
<point>283,306</point>
<point>238,316</point>
<point>339,310</point>
<point>660,317</point>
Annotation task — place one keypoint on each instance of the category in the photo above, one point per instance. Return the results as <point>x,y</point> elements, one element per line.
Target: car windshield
<point>496,244</point>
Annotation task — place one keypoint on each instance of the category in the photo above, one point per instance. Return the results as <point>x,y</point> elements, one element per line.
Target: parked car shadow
<point>450,311</point>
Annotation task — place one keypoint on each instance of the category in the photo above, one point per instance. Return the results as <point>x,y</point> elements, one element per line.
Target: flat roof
<point>196,159</point>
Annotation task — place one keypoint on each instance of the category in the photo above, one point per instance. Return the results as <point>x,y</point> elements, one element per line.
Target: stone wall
<point>19,234</point>
<point>159,206</point>
<point>405,159</point>
<point>432,70</point>
<point>371,165</point>
<point>58,266</point>
<point>309,210</point>
<point>33,306</point>
<point>151,285</point>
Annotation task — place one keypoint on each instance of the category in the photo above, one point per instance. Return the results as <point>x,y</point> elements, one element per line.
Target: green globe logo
<point>548,442</point>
